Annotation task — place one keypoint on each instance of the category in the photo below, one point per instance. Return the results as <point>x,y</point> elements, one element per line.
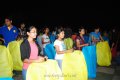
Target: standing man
<point>22,30</point>
<point>8,31</point>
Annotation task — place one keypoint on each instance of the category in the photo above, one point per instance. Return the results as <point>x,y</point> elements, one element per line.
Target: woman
<point>80,42</point>
<point>30,51</point>
<point>60,47</point>
<point>45,37</point>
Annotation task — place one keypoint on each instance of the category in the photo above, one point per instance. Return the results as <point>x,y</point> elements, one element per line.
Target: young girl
<point>60,47</point>
<point>45,37</point>
<point>80,42</point>
<point>30,51</point>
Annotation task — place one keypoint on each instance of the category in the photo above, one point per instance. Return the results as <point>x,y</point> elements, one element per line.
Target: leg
<point>60,63</point>
<point>24,74</point>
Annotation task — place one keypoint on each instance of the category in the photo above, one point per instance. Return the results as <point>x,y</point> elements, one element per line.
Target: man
<point>95,36</point>
<point>8,31</point>
<point>22,30</point>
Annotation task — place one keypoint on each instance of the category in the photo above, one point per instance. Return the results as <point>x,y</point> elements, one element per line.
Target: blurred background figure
<point>22,30</point>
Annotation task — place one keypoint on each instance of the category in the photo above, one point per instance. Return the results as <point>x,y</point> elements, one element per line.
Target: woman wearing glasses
<point>30,51</point>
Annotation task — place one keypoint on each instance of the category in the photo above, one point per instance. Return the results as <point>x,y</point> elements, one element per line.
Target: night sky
<point>62,13</point>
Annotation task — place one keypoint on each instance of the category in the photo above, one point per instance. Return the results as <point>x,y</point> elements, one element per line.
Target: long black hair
<point>81,28</point>
<point>59,30</point>
<point>30,28</point>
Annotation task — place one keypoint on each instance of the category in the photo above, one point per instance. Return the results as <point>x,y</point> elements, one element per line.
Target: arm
<point>79,45</point>
<point>101,38</point>
<point>2,40</point>
<point>40,59</point>
<point>62,52</point>
<point>94,39</point>
<point>24,56</point>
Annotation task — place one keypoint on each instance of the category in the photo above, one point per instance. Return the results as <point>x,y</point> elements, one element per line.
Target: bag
<point>48,70</point>
<point>68,43</point>
<point>50,51</point>
<point>89,53</point>
<point>103,54</point>
<point>74,66</point>
<point>52,38</point>
<point>14,49</point>
<point>6,63</point>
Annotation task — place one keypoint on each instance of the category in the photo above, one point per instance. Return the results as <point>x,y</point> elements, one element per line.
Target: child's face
<point>61,35</point>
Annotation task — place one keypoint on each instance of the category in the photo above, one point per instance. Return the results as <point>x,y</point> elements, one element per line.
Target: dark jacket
<point>26,50</point>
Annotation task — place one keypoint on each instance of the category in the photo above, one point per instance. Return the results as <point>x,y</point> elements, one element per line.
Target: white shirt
<point>61,47</point>
<point>46,39</point>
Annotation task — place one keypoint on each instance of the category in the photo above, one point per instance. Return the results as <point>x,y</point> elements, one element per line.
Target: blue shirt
<point>96,35</point>
<point>8,35</point>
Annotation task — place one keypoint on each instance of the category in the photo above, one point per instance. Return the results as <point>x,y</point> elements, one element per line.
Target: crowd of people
<point>35,41</point>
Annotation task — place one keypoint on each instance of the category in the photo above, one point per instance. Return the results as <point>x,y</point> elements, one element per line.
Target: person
<point>96,36</point>
<point>105,37</point>
<point>22,30</point>
<point>68,32</point>
<point>39,41</point>
<point>45,37</point>
<point>80,42</point>
<point>30,51</point>
<point>52,36</point>
<point>8,31</point>
<point>60,47</point>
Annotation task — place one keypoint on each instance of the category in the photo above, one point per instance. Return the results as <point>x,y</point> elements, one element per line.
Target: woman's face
<point>47,30</point>
<point>82,31</point>
<point>32,33</point>
<point>61,35</point>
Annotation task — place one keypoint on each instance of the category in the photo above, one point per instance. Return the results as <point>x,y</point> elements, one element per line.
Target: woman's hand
<point>86,44</point>
<point>40,59</point>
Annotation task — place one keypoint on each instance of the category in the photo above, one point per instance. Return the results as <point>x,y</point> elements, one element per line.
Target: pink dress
<point>33,54</point>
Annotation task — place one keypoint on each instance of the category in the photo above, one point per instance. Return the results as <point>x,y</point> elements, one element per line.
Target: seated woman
<point>60,47</point>
<point>80,40</point>
<point>30,51</point>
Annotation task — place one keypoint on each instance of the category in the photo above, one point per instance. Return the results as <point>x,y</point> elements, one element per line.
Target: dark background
<point>71,13</point>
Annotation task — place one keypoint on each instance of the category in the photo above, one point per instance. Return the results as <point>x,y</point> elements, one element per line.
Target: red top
<point>81,42</point>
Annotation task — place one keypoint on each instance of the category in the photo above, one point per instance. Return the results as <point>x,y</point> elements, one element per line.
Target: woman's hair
<point>68,32</point>
<point>45,27</point>
<point>59,31</point>
<point>81,28</point>
<point>30,28</point>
